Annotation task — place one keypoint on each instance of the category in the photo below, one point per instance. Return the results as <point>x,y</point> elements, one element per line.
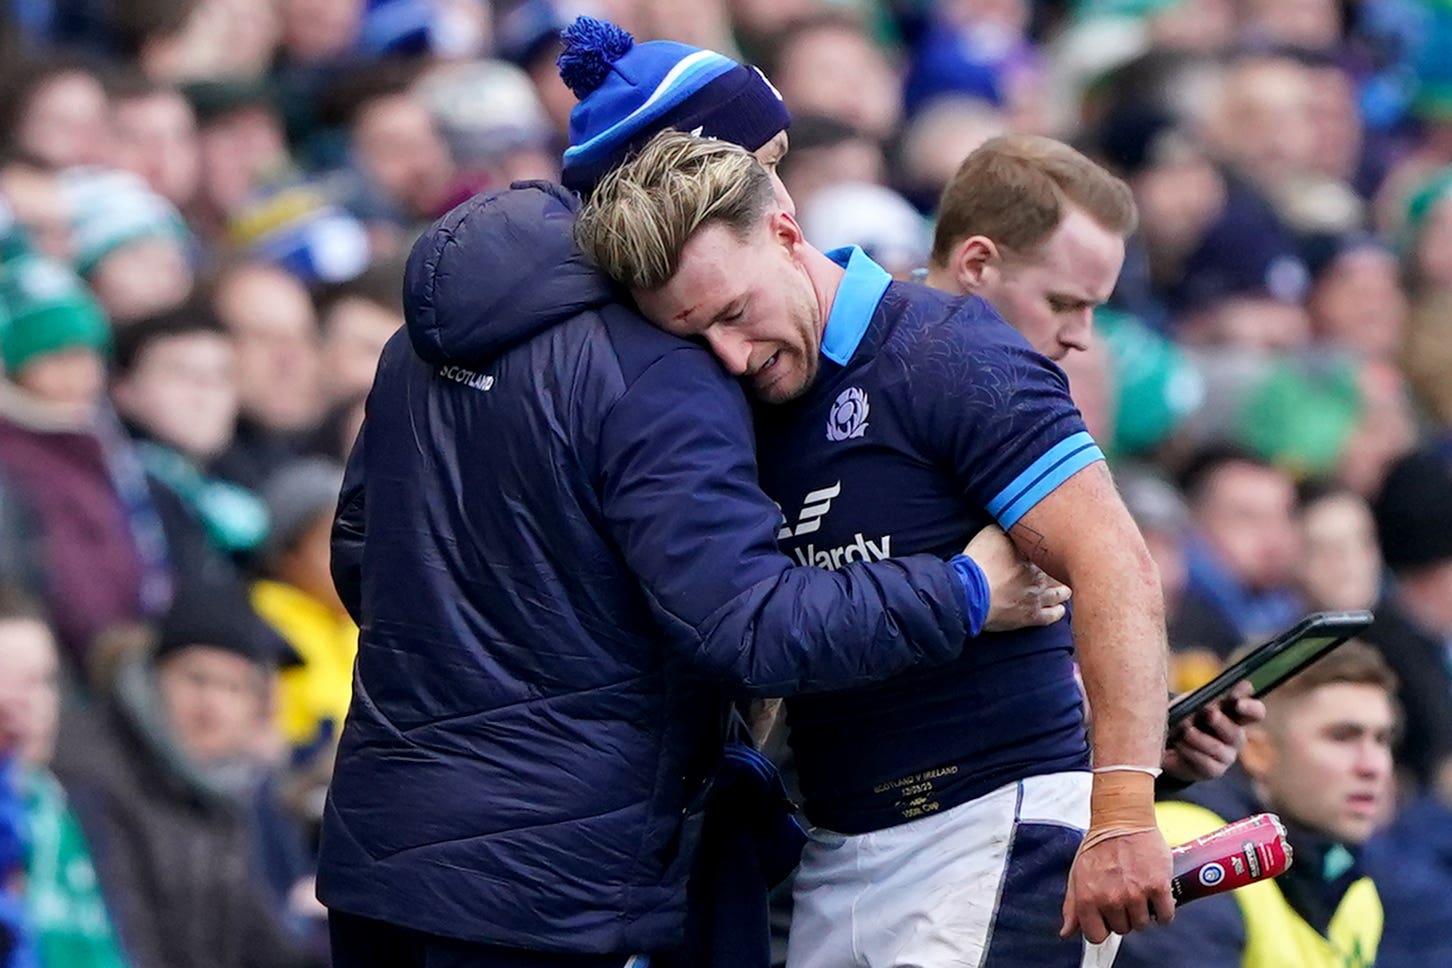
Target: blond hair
<point>643,213</point>
<point>1013,189</point>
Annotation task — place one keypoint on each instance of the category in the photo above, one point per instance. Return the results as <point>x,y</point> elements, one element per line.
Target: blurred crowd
<point>204,208</point>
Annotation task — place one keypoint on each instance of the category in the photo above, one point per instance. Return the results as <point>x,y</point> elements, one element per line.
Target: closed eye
<point>732,313</point>
<point>1060,304</point>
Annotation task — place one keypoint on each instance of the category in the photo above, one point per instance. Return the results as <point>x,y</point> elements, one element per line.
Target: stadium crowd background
<point>204,208</point>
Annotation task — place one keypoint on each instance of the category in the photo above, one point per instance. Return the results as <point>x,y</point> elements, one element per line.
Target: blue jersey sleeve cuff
<point>975,592</point>
<point>1061,462</point>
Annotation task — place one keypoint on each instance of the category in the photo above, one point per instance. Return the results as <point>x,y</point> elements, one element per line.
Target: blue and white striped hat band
<point>629,92</point>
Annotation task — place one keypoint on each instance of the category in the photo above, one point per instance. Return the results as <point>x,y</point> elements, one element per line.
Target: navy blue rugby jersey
<point>930,417</point>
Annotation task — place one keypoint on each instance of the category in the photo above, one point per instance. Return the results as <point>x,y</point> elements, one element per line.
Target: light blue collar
<point>856,300</point>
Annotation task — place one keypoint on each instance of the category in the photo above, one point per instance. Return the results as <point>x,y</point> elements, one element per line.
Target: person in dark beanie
<point>1414,618</point>
<point>172,796</point>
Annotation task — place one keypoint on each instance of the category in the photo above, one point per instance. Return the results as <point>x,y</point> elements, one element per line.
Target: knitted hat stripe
<point>683,80</point>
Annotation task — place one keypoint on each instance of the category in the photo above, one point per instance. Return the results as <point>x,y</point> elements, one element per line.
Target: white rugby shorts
<point>978,886</point>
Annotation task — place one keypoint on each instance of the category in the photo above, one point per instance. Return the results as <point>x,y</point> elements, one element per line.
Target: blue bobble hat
<point>629,92</point>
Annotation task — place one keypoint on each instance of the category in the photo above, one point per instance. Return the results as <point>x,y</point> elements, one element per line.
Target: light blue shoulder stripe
<point>856,301</point>
<point>684,79</point>
<point>1054,467</point>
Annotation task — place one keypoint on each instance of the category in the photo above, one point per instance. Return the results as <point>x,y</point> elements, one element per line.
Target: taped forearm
<point>1121,804</point>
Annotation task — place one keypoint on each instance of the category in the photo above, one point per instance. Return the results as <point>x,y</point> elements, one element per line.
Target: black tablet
<point>1273,663</point>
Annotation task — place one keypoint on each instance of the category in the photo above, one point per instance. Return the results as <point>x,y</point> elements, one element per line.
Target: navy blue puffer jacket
<point>553,539</point>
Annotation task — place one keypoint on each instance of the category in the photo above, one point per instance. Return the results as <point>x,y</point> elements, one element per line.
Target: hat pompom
<point>591,46</point>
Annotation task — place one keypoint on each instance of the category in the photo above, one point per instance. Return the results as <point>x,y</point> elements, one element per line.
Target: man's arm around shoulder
<point>679,489</point>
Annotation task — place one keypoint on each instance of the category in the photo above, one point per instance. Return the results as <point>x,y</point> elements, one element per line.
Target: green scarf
<point>235,519</point>
<point>64,899</point>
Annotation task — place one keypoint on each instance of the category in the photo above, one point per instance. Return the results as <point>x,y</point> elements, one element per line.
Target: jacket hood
<point>495,271</point>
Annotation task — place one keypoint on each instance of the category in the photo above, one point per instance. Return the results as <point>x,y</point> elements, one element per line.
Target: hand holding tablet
<point>1273,663</point>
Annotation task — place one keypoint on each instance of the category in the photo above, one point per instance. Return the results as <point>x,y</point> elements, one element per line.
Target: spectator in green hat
<point>55,339</point>
<point>1330,418</point>
<point>1300,416</point>
<point>101,542</point>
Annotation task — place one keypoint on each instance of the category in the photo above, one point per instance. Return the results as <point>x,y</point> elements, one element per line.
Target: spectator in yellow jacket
<point>1323,761</point>
<point>296,597</point>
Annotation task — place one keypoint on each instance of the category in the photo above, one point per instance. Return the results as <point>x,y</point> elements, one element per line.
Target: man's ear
<point>786,231</point>
<point>972,261</point>
<point>1258,756</point>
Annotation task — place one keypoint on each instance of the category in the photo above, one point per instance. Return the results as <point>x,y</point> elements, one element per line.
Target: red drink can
<point>1240,853</point>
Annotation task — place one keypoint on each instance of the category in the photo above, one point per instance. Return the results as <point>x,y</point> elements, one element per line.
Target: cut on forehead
<point>707,281</point>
